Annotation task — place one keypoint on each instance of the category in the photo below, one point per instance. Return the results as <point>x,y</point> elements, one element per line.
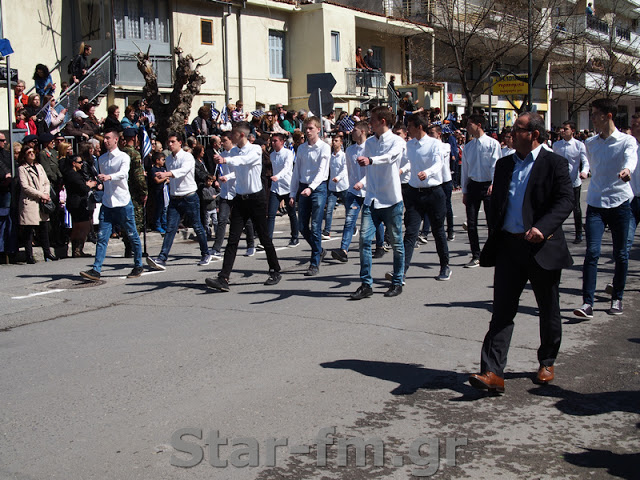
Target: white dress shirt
<point>506,151</point>
<point>247,164</point>
<point>424,155</point>
<point>479,159</point>
<point>228,188</point>
<point>116,191</point>
<point>355,172</point>
<point>576,153</point>
<point>282,166</point>
<point>312,166</point>
<point>406,172</point>
<point>182,165</point>
<point>608,157</point>
<point>445,150</point>
<point>383,175</point>
<point>338,169</point>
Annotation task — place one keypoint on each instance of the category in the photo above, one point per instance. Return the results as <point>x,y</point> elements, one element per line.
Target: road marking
<point>39,293</point>
<point>143,274</point>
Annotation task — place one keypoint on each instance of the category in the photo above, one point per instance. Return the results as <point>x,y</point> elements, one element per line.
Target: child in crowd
<point>338,183</point>
<point>160,192</point>
<point>209,198</point>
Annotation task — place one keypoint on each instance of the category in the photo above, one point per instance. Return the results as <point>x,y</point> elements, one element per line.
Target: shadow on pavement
<point>618,465</point>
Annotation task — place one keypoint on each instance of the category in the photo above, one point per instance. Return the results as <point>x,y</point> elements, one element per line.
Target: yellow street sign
<point>510,85</point>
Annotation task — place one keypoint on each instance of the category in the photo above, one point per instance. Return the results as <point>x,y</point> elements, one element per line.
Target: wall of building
<point>35,31</point>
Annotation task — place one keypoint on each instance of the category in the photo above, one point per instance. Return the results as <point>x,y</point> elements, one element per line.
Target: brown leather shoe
<point>545,375</point>
<point>487,381</point>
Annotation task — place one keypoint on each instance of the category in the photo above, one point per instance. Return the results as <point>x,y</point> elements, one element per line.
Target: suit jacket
<point>548,201</point>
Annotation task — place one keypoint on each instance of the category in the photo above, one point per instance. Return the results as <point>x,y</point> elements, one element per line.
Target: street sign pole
<point>9,108</point>
<point>320,108</point>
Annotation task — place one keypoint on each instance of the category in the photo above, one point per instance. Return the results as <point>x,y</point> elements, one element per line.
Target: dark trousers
<point>43,236</point>
<point>432,203</point>
<point>476,195</point>
<point>224,213</point>
<point>577,211</point>
<point>248,207</point>
<point>515,265</point>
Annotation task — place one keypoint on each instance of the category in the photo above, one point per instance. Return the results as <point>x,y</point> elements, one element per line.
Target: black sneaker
<point>394,291</point>
<point>451,236</point>
<point>136,272</point>
<point>340,255</point>
<point>294,242</point>
<point>217,283</point>
<point>363,291</point>
<point>616,307</point>
<point>91,275</point>
<point>379,252</point>
<point>312,271</point>
<point>445,274</point>
<point>473,263</point>
<point>274,278</point>
<point>323,254</point>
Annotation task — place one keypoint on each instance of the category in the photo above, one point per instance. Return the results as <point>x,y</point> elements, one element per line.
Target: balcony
<point>127,73</point>
<point>365,83</point>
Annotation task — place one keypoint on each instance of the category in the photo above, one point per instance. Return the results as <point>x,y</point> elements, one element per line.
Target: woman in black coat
<point>78,188</point>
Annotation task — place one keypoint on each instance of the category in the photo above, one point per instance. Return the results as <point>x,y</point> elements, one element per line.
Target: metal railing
<point>365,83</point>
<point>96,81</point>
<point>598,25</point>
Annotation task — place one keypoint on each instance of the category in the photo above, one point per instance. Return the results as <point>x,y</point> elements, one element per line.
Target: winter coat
<point>33,187</point>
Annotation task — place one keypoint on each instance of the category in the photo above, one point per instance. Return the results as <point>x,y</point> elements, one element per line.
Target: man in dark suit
<point>531,198</point>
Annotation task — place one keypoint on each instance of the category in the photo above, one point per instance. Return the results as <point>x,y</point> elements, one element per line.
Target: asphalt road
<point>97,378</point>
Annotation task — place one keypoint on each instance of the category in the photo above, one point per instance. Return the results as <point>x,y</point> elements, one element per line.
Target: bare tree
<point>603,60</point>
<point>188,81</point>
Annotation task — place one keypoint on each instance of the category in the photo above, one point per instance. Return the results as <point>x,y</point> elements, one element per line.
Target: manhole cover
<point>73,284</point>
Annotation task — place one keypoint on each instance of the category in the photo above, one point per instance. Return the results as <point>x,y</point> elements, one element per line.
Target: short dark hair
<point>400,126</point>
<point>606,105</point>
<point>436,127</point>
<point>156,156</point>
<point>383,113</point>
<point>243,127</point>
<point>419,120</point>
<point>572,125</point>
<point>635,116</point>
<point>281,136</point>
<point>536,122</point>
<point>112,109</point>
<point>478,119</point>
<point>178,135</point>
<point>362,125</point>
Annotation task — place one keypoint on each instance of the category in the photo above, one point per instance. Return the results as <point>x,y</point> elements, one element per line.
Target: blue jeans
<point>126,219</point>
<point>353,204</point>
<point>372,218</point>
<point>332,199</point>
<point>310,214</point>
<point>188,207</point>
<point>274,204</point>
<point>597,219</point>
<point>161,211</point>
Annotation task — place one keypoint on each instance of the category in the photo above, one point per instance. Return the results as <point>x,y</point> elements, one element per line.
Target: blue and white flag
<point>346,124</point>
<point>214,114</point>
<point>225,115</point>
<point>257,113</point>
<point>47,117</point>
<point>146,144</point>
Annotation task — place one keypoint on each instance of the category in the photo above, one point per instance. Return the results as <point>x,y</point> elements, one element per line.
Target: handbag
<point>47,207</point>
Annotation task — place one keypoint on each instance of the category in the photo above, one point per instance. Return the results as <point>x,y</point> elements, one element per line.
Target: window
<point>206,32</point>
<point>335,46</point>
<point>137,20</point>
<point>276,54</point>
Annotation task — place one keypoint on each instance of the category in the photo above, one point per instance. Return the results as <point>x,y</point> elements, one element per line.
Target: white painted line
<point>143,274</point>
<point>39,293</point>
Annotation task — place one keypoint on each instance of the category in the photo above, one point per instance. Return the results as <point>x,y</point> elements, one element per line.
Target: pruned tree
<point>170,116</point>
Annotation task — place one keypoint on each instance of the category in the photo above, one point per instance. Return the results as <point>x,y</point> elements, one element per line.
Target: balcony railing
<point>365,83</point>
<point>598,25</point>
<point>623,33</point>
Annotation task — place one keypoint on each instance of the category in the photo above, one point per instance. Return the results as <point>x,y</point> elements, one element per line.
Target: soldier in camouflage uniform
<point>137,181</point>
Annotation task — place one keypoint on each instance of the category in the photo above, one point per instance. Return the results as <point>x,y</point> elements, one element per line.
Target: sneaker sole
<point>617,312</point>
<point>443,279</point>
<point>211,284</point>
<point>89,277</point>
<point>578,312</point>
<point>154,265</point>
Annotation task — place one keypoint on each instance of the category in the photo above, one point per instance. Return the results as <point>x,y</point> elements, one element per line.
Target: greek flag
<point>214,114</point>
<point>225,115</point>
<point>47,117</point>
<point>346,124</point>
<point>146,144</point>
<point>257,113</point>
